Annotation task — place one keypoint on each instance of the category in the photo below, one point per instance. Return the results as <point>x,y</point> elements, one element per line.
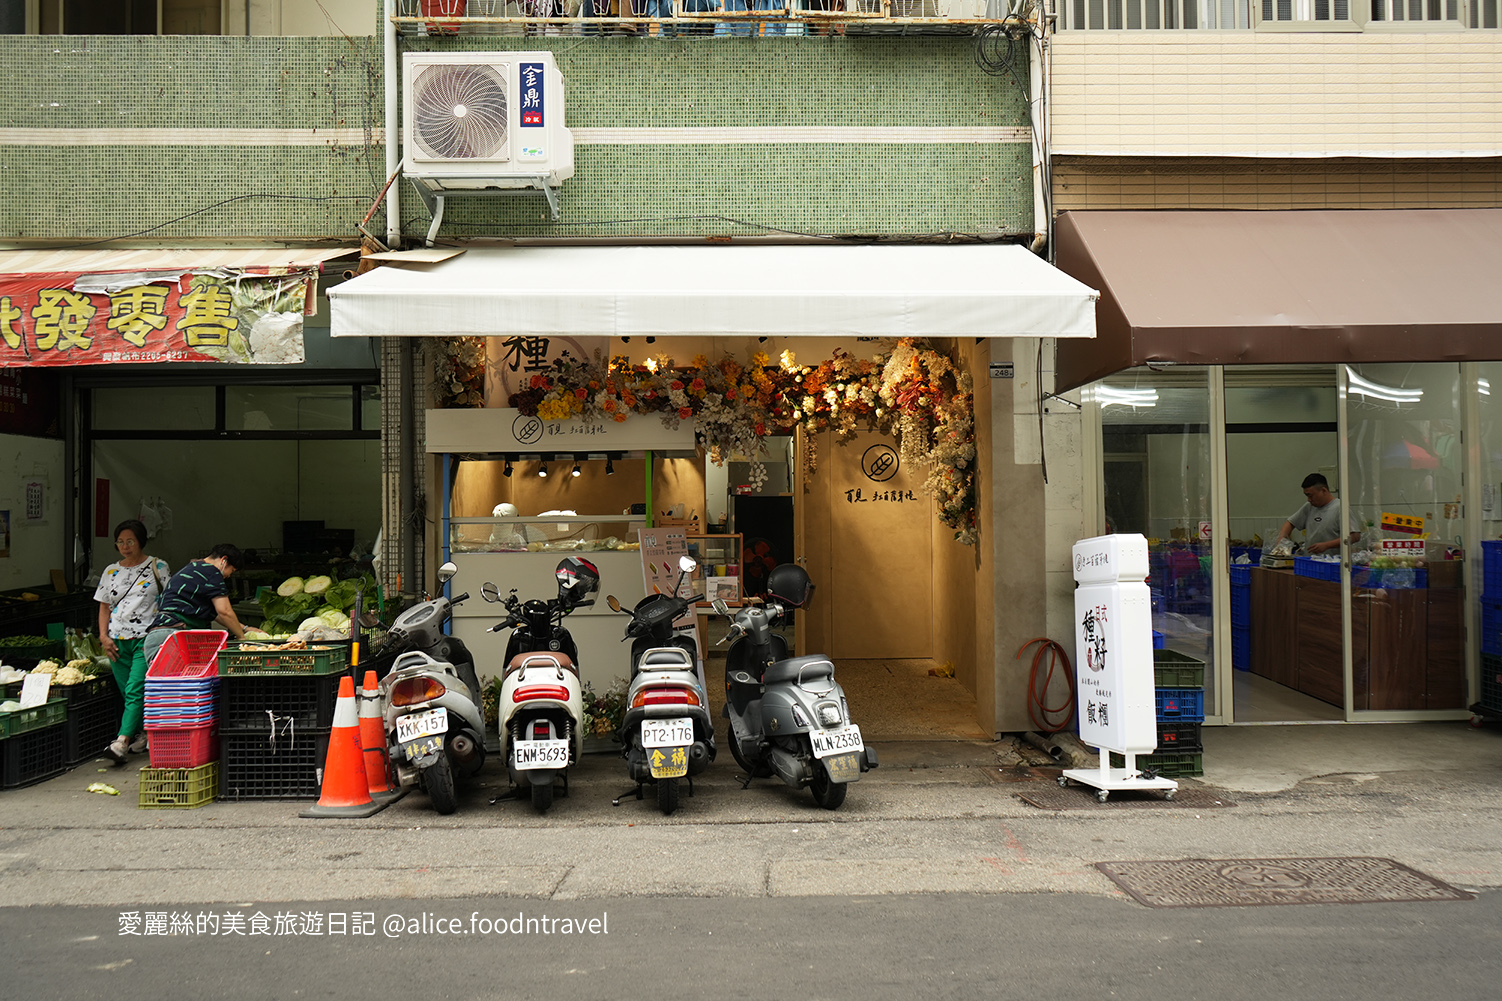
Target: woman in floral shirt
<point>128,594</point>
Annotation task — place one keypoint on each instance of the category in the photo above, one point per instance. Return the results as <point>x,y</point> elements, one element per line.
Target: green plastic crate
<point>321,658</point>
<point>179,788</point>
<point>1168,766</point>
<point>54,710</point>
<point>1172,669</point>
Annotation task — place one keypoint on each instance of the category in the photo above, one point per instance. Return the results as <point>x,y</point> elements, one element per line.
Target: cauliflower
<point>69,675</point>
<point>45,667</point>
<point>81,663</point>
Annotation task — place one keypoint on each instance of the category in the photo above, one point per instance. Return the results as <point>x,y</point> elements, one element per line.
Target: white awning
<point>889,290</point>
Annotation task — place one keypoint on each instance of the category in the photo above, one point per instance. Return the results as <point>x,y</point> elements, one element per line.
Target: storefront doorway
<point>1210,463</point>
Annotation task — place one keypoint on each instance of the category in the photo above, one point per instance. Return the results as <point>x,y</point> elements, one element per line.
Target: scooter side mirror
<point>687,564</point>
<point>490,592</point>
<point>720,607</point>
<point>613,602</point>
<point>446,572</point>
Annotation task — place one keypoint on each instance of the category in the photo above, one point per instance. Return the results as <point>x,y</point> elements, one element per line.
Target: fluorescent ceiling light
<point>1392,394</point>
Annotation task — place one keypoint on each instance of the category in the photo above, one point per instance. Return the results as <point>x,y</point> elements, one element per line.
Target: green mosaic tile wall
<point>199,193</point>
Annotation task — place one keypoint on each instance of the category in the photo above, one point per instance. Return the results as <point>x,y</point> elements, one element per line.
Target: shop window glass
<point>154,408</point>
<point>1155,430</point>
<point>1404,485</point>
<point>288,408</point>
<point>370,408</point>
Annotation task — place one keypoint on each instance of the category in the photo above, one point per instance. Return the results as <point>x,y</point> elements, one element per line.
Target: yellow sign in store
<point>1406,523</point>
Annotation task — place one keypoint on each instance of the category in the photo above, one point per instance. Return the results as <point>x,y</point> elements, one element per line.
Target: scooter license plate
<point>529,754</point>
<point>674,732</point>
<point>668,762</point>
<point>845,740</point>
<point>409,728</point>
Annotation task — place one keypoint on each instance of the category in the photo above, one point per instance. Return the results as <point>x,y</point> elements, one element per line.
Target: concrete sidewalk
<point>937,816</point>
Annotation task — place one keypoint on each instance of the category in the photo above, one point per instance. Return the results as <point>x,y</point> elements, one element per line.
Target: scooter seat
<point>798,669</point>
<point>541,660</point>
<point>666,658</point>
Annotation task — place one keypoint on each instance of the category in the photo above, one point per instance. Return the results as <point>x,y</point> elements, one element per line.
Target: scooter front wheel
<point>827,794</point>
<point>667,796</point>
<point>438,780</point>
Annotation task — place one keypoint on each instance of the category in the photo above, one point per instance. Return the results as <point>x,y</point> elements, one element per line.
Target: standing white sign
<point>1114,659</point>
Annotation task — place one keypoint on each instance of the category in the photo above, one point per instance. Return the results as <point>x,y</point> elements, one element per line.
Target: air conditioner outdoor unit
<point>483,123</point>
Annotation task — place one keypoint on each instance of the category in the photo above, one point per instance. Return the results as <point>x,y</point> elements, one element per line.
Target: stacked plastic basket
<point>1491,628</point>
<point>182,723</point>
<point>277,708</point>
<point>1180,691</point>
<point>1241,616</point>
<point>32,743</point>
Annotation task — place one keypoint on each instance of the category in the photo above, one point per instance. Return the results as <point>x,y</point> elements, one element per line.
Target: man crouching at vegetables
<point>195,598</point>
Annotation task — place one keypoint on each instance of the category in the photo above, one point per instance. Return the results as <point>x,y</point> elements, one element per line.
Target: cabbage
<point>257,634</point>
<point>311,623</point>
<point>317,585</point>
<point>333,617</point>
<point>290,586</point>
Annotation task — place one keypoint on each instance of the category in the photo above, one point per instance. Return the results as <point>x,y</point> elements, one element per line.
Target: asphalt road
<point>961,946</point>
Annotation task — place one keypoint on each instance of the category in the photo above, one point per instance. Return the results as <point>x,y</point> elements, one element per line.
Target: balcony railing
<point>705,18</point>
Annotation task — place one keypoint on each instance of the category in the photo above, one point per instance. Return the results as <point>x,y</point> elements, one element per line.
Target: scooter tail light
<point>529,693</point>
<point>415,690</point>
<point>665,697</point>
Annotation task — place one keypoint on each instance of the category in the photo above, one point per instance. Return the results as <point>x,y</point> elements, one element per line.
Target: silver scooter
<point>435,726</point>
<point>788,716</point>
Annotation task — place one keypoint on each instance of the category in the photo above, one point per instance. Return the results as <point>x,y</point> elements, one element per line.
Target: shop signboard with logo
<point>1114,661</point>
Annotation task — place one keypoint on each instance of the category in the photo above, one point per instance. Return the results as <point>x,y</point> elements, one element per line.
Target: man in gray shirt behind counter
<point>1319,517</point>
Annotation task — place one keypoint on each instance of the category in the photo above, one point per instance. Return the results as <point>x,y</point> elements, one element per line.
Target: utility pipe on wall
<point>393,195</point>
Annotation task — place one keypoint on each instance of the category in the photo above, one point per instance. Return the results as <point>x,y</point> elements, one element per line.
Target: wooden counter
<point>1407,644</point>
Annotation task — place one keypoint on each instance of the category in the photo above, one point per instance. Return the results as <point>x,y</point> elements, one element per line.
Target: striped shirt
<point>190,594</point>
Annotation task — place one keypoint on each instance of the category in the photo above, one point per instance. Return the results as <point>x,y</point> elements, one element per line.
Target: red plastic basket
<point>188,653</point>
<point>177,747</point>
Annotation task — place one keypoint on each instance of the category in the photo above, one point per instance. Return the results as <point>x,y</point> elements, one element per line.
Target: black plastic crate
<point>32,756</point>
<point>89,728</point>
<point>308,701</point>
<point>98,688</point>
<point>256,765</point>
<point>1179,738</point>
<point>1491,679</point>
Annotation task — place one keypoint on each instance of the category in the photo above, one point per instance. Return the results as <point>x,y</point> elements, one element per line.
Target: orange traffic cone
<point>373,740</point>
<point>346,791</point>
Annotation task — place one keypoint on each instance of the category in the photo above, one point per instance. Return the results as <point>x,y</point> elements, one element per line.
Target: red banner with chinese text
<point>107,319</point>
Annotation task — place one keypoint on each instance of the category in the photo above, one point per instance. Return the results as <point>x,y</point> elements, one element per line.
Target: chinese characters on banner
<point>511,362</point>
<point>61,318</point>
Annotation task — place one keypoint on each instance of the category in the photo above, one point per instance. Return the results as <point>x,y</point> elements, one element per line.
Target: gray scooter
<point>788,716</point>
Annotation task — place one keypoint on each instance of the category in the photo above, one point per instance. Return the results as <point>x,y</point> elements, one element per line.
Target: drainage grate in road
<point>1250,882</point>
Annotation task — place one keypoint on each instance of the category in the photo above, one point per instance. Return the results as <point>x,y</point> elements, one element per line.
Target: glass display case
<point>719,573</point>
<point>553,534</point>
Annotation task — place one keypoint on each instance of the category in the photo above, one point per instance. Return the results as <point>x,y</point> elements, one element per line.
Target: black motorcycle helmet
<point>576,578</point>
<point>789,584</point>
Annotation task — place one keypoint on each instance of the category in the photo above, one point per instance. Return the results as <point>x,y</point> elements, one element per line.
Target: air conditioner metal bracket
<point>433,196</point>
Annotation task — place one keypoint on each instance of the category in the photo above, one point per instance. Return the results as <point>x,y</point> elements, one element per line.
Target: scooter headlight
<point>829,714</point>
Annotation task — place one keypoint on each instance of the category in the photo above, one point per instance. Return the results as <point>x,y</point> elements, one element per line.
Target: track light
<point>651,340</point>
<point>542,470</point>
<point>507,470</point>
<point>575,471</point>
<point>609,466</point>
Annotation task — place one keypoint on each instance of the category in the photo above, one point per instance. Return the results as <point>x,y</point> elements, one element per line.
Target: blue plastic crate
<point>1250,552</point>
<point>1308,566</point>
<point>1389,577</point>
<point>1491,626</point>
<point>1184,705</point>
<point>1491,569</point>
<point>1241,648</point>
<point>1241,574</point>
<point>1241,606</point>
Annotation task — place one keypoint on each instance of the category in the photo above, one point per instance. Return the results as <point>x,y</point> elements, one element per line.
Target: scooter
<point>434,722</point>
<point>788,716</point>
<point>667,733</point>
<point>542,703</point>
